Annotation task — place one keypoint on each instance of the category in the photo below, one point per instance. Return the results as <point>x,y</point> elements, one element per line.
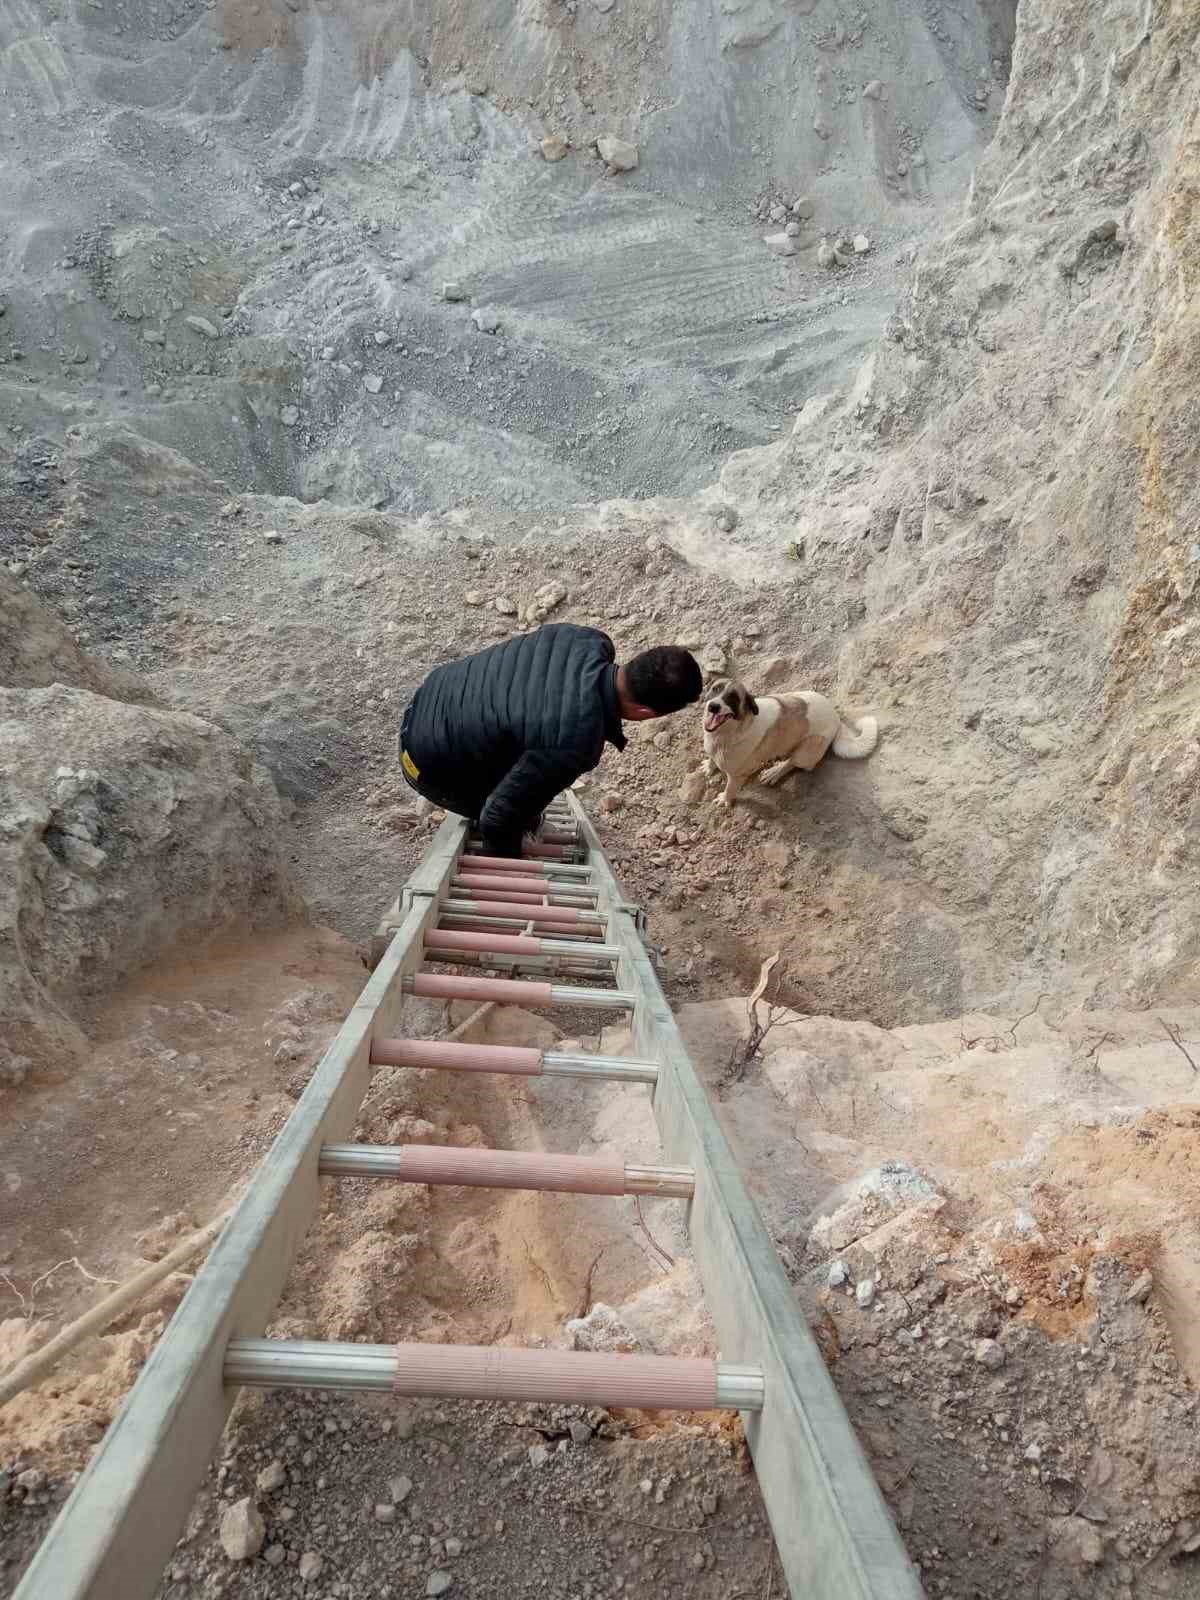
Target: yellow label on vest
<point>409,765</point>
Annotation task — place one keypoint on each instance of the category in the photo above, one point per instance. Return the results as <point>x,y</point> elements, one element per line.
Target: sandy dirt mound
<point>992,1225</point>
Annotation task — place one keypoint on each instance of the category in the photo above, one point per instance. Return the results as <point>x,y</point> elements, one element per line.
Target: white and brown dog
<point>781,733</point>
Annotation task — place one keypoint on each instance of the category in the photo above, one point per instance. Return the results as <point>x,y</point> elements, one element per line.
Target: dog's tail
<point>852,746</point>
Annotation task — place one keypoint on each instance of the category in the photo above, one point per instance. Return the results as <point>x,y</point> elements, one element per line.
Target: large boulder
<point>125,831</point>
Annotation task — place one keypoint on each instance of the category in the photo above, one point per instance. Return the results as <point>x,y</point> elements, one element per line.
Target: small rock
<point>32,1480</point>
<point>486,319</point>
<point>384,1513</point>
<point>777,213</point>
<point>691,790</point>
<point>620,155</point>
<point>372,383</point>
<point>204,326</point>
<point>861,244</point>
<point>272,536</point>
<point>1033,1452</point>
<point>873,90</point>
<point>1139,1289</point>
<point>580,1433</point>
<point>438,1582</point>
<point>399,1489</point>
<point>612,801</point>
<point>709,1504</point>
<point>647,1485</point>
<point>780,244</point>
<point>289,416</point>
<point>152,336</point>
<point>275,1555</point>
<point>505,605</point>
<point>453,290</point>
<point>864,1292</point>
<point>382,337</point>
<point>826,254</point>
<point>327,352</point>
<point>839,1276</point>
<point>538,1455</point>
<point>792,230</point>
<point>472,598</point>
<point>989,1354</point>
<point>803,208</point>
<point>454,1548</point>
<point>242,1530</point>
<point>1079,1542</point>
<point>554,148</point>
<point>271,1478</point>
<point>311,1566</point>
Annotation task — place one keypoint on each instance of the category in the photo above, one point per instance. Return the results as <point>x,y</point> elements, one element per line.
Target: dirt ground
<point>261,454</point>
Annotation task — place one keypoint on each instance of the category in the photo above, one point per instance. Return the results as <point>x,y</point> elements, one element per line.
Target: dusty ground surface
<point>250,448</point>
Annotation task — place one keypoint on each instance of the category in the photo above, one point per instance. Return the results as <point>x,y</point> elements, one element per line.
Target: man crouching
<point>494,737</point>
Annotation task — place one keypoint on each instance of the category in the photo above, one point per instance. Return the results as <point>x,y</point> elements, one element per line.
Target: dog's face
<point>728,701</point>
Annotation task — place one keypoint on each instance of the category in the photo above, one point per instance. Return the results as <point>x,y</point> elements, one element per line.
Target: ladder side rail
<point>832,1528</point>
<point>116,1532</point>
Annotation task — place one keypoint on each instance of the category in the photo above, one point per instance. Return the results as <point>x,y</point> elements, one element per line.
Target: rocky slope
<point>125,829</point>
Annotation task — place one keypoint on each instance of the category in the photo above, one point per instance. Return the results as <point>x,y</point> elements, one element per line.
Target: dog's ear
<point>750,704</point>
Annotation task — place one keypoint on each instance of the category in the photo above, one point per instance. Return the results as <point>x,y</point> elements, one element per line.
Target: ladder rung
<point>520,883</point>
<point>534,852</point>
<point>549,869</point>
<point>492,1372</point>
<point>446,1055</point>
<point>527,913</point>
<point>504,1169</point>
<point>524,897</point>
<point>582,938</point>
<point>512,991</point>
<point>515,945</point>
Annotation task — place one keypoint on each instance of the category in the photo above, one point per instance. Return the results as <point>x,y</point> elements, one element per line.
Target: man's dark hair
<point>664,678</point>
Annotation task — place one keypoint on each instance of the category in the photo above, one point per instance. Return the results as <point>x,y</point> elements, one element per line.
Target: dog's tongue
<point>713,721</point>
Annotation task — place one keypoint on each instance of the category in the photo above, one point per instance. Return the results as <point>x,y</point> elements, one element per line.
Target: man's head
<point>658,682</point>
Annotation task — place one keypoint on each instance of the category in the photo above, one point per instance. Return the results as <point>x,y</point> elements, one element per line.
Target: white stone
<point>505,605</point>
<point>554,147</point>
<point>486,319</point>
<point>861,244</point>
<point>438,1583</point>
<point>272,1478</point>
<point>400,1489</point>
<point>204,326</point>
<point>311,1566</point>
<point>989,1354</point>
<point>618,153</point>
<point>453,290</point>
<point>242,1531</point>
<point>780,244</point>
<point>289,416</point>
<point>372,383</point>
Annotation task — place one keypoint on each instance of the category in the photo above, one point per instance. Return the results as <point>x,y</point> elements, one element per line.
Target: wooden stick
<point>42,1361</point>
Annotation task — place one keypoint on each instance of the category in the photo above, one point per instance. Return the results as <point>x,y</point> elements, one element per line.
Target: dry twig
<point>585,1303</point>
<point>1171,1030</point>
<point>666,1255</point>
<point>745,1051</point>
